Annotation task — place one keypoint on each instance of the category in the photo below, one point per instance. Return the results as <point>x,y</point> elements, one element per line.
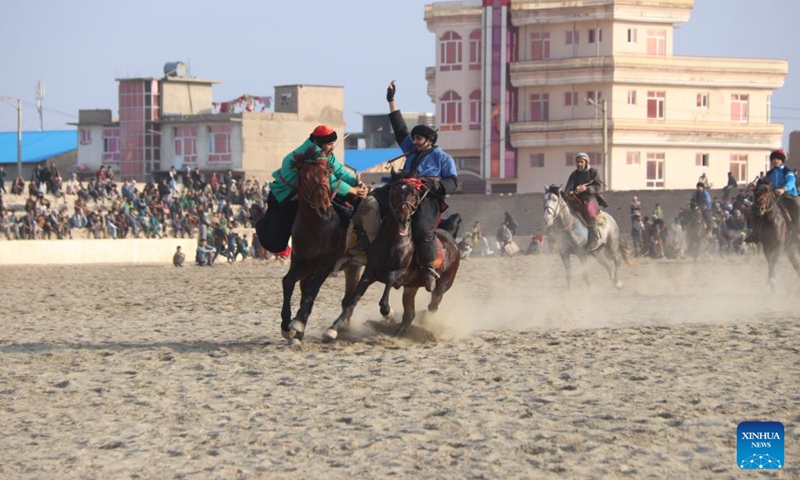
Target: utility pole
<point>19,137</point>
<point>603,107</point>
<point>606,166</point>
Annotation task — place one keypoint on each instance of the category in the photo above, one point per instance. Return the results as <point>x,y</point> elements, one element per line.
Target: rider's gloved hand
<point>432,184</point>
<point>390,91</point>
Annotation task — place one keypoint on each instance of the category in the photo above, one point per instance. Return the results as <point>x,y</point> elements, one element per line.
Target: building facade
<point>520,86</point>
<point>172,121</point>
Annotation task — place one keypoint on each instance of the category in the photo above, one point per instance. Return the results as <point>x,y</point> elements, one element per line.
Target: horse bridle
<point>413,208</point>
<point>308,195</point>
<point>557,212</point>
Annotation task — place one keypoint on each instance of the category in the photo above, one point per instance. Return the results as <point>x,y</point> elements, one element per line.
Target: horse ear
<point>546,188</point>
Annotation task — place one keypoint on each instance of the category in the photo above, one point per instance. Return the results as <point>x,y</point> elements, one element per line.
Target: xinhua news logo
<point>759,446</point>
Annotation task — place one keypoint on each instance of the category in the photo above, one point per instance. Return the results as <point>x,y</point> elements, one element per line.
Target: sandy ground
<point>157,372</point>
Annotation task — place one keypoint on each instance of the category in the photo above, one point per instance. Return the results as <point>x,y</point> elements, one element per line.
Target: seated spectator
<point>206,254</point>
<point>179,257</point>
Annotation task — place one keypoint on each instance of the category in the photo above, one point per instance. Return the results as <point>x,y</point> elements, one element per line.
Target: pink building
<point>520,86</point>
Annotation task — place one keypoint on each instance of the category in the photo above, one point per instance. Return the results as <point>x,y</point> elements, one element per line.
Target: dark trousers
<point>275,227</point>
<point>423,223</point>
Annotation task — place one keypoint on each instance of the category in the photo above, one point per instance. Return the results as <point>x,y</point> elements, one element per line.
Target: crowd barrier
<point>88,251</point>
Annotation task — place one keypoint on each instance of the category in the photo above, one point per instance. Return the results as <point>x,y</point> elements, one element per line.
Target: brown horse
<point>318,248</point>
<point>391,258</point>
<point>771,223</point>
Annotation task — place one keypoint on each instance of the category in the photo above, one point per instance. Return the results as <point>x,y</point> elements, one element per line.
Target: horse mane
<point>554,189</point>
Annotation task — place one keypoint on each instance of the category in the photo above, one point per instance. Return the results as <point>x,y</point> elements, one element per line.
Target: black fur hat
<point>425,131</point>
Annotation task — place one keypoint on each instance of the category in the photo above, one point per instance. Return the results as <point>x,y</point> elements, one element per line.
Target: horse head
<point>553,204</point>
<point>764,199</point>
<point>405,196</point>
<point>314,186</point>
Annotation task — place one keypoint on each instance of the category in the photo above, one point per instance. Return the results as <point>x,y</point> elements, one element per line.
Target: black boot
<point>752,237</point>
<point>594,239</point>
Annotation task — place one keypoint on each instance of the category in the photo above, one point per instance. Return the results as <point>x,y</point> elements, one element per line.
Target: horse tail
<point>451,224</point>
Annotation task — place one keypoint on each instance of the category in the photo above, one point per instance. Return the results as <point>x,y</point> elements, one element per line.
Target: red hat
<point>323,134</point>
<point>780,154</point>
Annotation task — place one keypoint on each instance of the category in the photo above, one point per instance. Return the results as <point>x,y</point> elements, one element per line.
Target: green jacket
<point>285,183</point>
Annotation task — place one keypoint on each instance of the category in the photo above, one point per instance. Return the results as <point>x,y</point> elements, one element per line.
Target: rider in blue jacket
<point>426,161</point>
<point>784,183</point>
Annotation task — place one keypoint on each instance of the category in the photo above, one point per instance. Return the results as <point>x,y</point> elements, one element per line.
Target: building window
<point>475,110</point>
<point>540,46</point>
<point>655,170</point>
<point>450,51</point>
<point>219,144</point>
<point>702,100</point>
<point>739,168</point>
<point>655,105</point>
<point>450,111</point>
<point>595,35</point>
<point>86,136</point>
<point>595,158</point>
<point>570,159</point>
<point>594,96</point>
<point>475,50</point>
<point>769,108</point>
<point>631,97</point>
<point>739,107</point>
<point>111,145</point>
<point>186,144</point>
<point>631,35</point>
<point>656,42</point>
<point>572,37</point>
<point>634,158</point>
<point>537,160</point>
<point>701,159</point>
<point>540,107</point>
<point>570,99</point>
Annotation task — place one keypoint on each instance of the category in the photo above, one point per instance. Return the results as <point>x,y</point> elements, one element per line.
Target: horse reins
<point>557,213</point>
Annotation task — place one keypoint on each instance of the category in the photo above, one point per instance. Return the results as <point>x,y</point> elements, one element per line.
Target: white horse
<point>572,235</point>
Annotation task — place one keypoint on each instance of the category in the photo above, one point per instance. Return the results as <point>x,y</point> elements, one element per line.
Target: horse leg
<point>310,289</point>
<point>584,272</point>
<point>289,281</point>
<point>409,293</point>
<point>605,258</point>
<point>791,252</point>
<point>348,305</point>
<point>383,303</point>
<point>772,258</point>
<point>567,269</point>
<point>352,274</point>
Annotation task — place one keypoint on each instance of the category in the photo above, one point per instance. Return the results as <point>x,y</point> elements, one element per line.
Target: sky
<point>78,49</point>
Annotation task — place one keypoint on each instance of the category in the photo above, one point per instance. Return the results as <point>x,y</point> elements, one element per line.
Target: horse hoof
<point>389,316</point>
<point>297,326</point>
<point>295,342</point>
<point>618,285</point>
<point>329,335</point>
<point>287,334</point>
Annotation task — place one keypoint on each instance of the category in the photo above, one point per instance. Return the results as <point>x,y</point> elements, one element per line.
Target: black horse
<point>391,259</point>
<point>318,248</point>
<point>771,223</point>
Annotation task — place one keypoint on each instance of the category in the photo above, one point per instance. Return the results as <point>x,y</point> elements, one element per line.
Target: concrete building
<point>172,121</point>
<point>520,86</point>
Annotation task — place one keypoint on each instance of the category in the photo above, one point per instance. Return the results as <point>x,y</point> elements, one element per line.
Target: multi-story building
<point>172,121</point>
<point>522,85</point>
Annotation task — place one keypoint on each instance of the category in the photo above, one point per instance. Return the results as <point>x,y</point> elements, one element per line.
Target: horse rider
<point>702,198</point>
<point>426,161</point>
<point>275,228</point>
<point>584,185</point>
<point>784,185</point>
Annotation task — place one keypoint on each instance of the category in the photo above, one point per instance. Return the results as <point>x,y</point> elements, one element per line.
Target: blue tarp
<point>37,146</point>
<point>369,157</point>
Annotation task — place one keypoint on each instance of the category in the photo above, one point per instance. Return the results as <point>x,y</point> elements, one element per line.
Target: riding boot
<point>426,252</point>
<point>593,243</point>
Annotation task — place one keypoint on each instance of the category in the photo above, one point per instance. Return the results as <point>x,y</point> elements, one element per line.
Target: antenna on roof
<point>40,103</point>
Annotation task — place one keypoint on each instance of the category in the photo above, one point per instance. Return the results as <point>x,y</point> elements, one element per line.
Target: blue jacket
<point>703,200</point>
<point>783,177</point>
<point>437,163</point>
